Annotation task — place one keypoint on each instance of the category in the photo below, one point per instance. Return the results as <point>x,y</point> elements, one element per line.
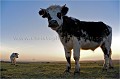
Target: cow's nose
<point>52,22</point>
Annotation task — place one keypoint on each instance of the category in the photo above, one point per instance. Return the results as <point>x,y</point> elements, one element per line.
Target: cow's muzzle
<point>53,24</point>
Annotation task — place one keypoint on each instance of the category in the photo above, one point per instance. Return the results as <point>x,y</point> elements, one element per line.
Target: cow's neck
<point>67,27</point>
<point>64,30</point>
<point>65,24</point>
<point>61,29</point>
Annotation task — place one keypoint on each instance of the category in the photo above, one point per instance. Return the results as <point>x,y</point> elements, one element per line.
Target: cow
<point>13,58</point>
<point>75,34</point>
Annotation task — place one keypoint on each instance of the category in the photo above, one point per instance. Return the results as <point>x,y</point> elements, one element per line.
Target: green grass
<point>89,70</point>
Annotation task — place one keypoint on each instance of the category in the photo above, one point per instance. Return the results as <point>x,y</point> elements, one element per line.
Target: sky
<point>25,32</point>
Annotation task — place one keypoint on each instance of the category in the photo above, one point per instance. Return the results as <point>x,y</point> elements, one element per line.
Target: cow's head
<point>54,14</point>
<point>16,55</point>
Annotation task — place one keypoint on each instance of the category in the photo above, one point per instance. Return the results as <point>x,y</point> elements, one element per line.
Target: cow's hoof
<point>111,67</point>
<point>76,72</point>
<point>104,69</point>
<point>16,65</point>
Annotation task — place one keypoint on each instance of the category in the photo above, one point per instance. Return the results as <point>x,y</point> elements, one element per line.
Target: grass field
<point>53,70</point>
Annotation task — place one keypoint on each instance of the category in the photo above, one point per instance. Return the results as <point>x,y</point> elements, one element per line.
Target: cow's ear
<point>43,13</point>
<point>64,10</point>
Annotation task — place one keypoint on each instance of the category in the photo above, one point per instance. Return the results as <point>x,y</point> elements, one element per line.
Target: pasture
<point>53,70</point>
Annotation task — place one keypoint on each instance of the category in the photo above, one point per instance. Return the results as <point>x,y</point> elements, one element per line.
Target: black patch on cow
<point>68,60</point>
<point>49,17</point>
<point>15,53</point>
<point>59,15</point>
<point>43,13</point>
<point>95,31</point>
<point>64,10</point>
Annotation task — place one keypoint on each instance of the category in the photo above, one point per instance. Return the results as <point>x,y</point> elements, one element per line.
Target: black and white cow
<point>13,57</point>
<point>75,34</point>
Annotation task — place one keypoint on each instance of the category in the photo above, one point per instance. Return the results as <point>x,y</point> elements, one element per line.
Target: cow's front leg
<point>77,65</point>
<point>76,55</point>
<point>68,58</point>
<point>14,61</point>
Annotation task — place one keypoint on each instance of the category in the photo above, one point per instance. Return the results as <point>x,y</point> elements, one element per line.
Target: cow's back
<point>95,31</point>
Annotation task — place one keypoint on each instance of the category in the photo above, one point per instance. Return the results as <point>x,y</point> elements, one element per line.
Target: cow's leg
<point>68,58</point>
<point>110,60</point>
<point>14,61</point>
<point>76,54</point>
<point>76,58</point>
<point>106,47</point>
<point>11,61</point>
<point>107,57</point>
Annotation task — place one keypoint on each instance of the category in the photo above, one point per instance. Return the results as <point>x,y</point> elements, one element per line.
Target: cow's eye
<point>49,17</point>
<point>59,15</point>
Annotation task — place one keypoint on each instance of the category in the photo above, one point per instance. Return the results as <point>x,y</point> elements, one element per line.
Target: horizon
<point>57,61</point>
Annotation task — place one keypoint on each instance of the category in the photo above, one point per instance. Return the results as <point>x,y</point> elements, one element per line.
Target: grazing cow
<point>13,58</point>
<point>75,34</point>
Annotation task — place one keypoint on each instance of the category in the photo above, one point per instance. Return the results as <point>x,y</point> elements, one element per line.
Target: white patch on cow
<point>69,44</point>
<point>84,33</point>
<point>53,10</point>
<point>88,44</point>
<point>76,47</point>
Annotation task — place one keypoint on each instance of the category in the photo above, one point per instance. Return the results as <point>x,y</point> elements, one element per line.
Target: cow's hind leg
<point>110,60</point>
<point>68,58</point>
<point>12,62</point>
<point>107,56</point>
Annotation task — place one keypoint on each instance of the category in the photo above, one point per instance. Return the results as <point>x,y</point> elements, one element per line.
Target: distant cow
<point>13,58</point>
<point>75,34</point>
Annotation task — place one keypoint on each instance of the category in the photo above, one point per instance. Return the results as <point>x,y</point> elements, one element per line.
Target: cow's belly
<point>85,45</point>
